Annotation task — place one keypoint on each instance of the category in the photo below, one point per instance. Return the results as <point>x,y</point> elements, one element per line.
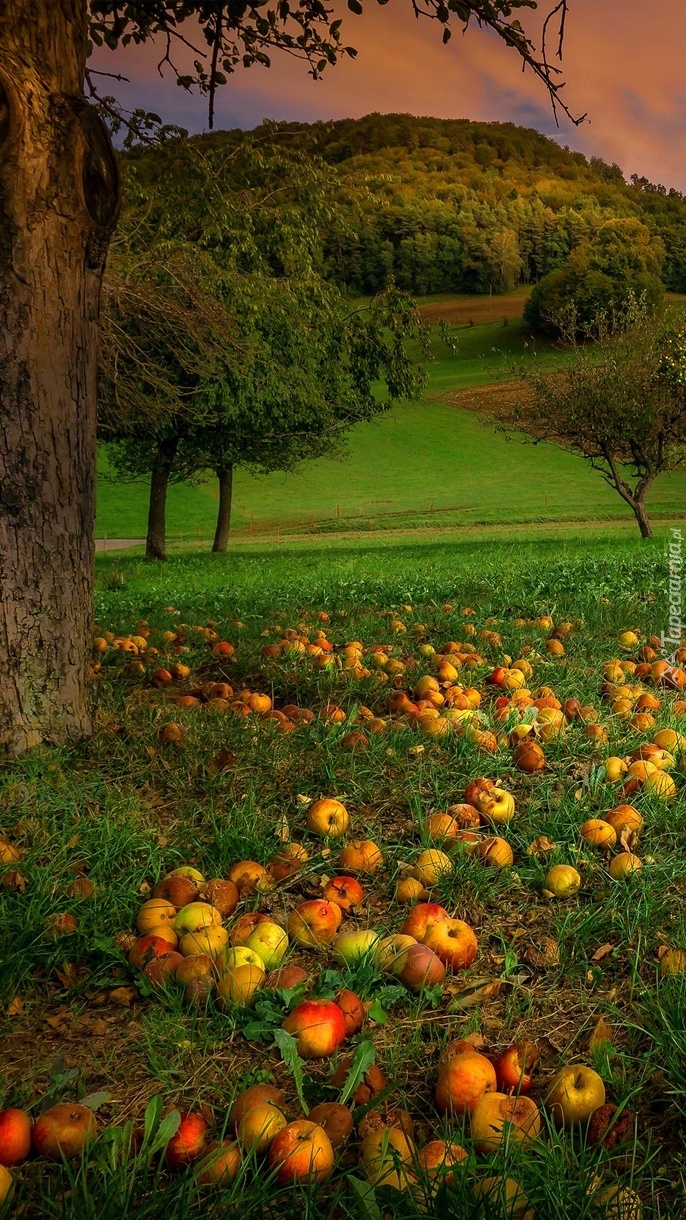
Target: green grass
<point>422,466</point>
<point>125,809</point>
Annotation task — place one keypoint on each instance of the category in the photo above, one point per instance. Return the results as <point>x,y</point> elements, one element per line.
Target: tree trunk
<point>221,535</point>
<point>156,542</point>
<point>642,518</point>
<point>59,198</point>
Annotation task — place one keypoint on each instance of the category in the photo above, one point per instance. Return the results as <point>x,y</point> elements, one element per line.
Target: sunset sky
<point>626,71</point>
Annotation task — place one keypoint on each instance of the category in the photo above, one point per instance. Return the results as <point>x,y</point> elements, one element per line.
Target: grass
<point>425,466</point>
<point>124,809</point>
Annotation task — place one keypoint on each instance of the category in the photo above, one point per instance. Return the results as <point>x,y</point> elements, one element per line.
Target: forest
<point>449,205</point>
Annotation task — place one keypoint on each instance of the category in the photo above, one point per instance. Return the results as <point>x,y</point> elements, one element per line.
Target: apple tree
<point>59,202</point>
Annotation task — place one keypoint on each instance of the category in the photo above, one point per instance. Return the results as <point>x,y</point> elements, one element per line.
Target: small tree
<point>620,404</point>
<point>257,360</point>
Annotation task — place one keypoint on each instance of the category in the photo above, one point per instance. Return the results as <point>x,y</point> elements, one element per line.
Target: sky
<point>624,69</point>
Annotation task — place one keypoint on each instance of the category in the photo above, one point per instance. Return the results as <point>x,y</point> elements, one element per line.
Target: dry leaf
<point>540,847</point>
<point>415,751</point>
<point>303,800</point>
<point>124,996</point>
<point>144,887</point>
<point>603,952</point>
<point>71,973</point>
<point>481,989</point>
<point>15,1007</point>
<point>14,881</point>
<point>283,830</point>
<point>98,1028</point>
<point>601,1036</point>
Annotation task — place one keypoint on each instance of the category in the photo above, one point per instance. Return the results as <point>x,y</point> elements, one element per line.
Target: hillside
<point>449,205</point>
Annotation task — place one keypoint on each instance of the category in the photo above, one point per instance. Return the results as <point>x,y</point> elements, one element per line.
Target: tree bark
<point>221,535</point>
<point>156,542</point>
<point>642,518</point>
<point>59,198</point>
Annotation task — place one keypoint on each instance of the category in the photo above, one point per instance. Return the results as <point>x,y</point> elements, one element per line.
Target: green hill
<point>449,205</point>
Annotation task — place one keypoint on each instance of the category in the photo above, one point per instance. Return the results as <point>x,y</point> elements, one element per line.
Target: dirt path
<point>117,544</point>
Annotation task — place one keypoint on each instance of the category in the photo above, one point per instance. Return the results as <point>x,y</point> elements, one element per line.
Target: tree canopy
<point>223,343</point>
<point>621,263</point>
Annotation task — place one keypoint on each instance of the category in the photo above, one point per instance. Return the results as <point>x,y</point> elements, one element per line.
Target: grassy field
<point>421,466</point>
<point>98,825</point>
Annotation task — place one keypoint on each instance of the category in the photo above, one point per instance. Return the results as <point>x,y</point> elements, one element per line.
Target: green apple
<point>574,1093</point>
<point>241,956</point>
<point>351,947</point>
<point>194,916</point>
<point>270,942</point>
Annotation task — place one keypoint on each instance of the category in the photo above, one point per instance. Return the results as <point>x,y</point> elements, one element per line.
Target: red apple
<point>15,1137</point>
<point>314,923</point>
<point>421,968</point>
<point>421,918</point>
<point>189,1143</point>
<point>346,892</point>
<point>453,941</point>
<point>514,1067</point>
<point>301,1152</point>
<point>319,1026</point>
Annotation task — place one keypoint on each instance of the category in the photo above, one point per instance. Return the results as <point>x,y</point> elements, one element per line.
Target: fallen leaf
<point>14,881</point>
<point>98,1028</point>
<point>601,1036</point>
<point>541,846</point>
<point>603,952</point>
<point>124,996</point>
<point>481,989</point>
<point>15,1007</point>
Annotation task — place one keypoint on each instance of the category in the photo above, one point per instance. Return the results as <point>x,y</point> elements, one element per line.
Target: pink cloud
<point>625,71</point>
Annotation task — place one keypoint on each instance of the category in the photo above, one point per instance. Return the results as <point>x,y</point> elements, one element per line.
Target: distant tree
<point>620,404</point>
<point>503,251</point>
<point>622,261</point>
<point>223,345</point>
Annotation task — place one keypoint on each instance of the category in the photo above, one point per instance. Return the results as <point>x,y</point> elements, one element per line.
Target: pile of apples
<point>182,935</point>
<point>63,1130</point>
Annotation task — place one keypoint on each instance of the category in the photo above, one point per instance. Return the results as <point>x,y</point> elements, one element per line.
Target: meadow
<point>421,466</point>
<point>96,827</point>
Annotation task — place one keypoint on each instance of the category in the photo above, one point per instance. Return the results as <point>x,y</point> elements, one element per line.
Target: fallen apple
<point>361,856</point>
<point>563,881</point>
<point>453,941</point>
<point>421,968</point>
<point>259,1126</point>
<point>302,1152</point>
<point>574,1093</point>
<point>15,1137</point>
<point>501,1119</point>
<point>270,942</point>
<point>351,947</point>
<point>314,923</point>
<point>462,1082</point>
<point>188,1143</point>
<point>64,1130</point>
<point>346,892</point>
<point>328,818</point>
<point>220,1164</point>
<point>319,1027</point>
